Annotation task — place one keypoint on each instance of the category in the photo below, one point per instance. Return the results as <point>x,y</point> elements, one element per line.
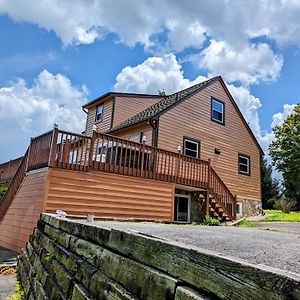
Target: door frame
<point>189,206</point>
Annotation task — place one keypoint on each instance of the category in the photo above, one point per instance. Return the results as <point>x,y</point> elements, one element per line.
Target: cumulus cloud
<point>136,21</point>
<point>155,73</point>
<point>248,65</point>
<point>28,111</point>
<point>279,117</point>
<point>248,104</point>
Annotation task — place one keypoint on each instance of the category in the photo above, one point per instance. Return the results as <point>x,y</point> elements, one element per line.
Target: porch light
<point>144,139</point>
<point>94,127</point>
<point>179,148</point>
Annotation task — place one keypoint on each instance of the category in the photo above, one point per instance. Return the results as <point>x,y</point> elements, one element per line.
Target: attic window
<point>99,113</point>
<point>217,111</point>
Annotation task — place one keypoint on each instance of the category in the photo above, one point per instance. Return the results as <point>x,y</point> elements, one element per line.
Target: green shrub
<point>3,189</point>
<point>285,205</point>
<point>210,221</point>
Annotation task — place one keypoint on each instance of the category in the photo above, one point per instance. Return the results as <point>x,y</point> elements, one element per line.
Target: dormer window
<point>99,114</point>
<point>217,111</point>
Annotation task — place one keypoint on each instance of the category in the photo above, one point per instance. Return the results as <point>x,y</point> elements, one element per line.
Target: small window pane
<point>191,145</point>
<point>243,160</point>
<point>244,168</point>
<point>218,106</point>
<point>191,153</point>
<point>217,116</point>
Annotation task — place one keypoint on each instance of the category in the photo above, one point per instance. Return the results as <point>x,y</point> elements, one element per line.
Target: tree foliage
<point>269,186</point>
<point>285,153</point>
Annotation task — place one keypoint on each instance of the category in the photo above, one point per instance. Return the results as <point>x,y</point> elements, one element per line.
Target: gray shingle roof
<point>162,105</point>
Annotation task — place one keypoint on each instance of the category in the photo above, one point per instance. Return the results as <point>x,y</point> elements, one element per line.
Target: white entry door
<point>182,208</point>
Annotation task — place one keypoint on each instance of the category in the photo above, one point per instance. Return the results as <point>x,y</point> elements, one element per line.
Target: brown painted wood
<point>23,212</point>
<point>192,118</point>
<point>109,195</point>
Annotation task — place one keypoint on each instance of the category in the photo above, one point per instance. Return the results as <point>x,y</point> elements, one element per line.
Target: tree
<point>269,186</point>
<point>285,153</point>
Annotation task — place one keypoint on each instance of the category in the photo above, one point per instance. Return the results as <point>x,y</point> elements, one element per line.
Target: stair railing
<point>222,194</point>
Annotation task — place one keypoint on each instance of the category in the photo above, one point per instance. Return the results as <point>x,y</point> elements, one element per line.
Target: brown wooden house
<point>203,121</point>
<point>169,158</point>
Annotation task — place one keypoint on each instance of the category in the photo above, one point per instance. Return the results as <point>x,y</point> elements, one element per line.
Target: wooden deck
<point>101,152</point>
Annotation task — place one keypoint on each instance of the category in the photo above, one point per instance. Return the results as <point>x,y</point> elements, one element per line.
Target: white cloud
<point>155,73</point>
<point>247,65</point>
<point>136,21</point>
<point>248,104</point>
<point>281,116</point>
<point>28,111</point>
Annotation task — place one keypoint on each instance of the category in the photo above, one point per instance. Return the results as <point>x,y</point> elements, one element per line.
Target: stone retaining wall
<point>67,259</point>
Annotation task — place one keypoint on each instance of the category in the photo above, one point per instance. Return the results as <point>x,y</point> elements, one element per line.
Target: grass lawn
<point>246,223</point>
<point>279,216</point>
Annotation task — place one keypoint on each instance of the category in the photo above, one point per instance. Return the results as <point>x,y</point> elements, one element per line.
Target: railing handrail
<point>222,182</point>
<point>14,186</point>
<point>99,134</point>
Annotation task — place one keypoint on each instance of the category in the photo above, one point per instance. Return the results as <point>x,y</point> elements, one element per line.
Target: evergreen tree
<point>269,186</point>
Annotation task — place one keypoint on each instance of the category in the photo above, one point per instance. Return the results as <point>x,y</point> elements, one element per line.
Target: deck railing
<point>103,152</point>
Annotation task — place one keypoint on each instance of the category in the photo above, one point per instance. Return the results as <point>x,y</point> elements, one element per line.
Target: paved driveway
<point>288,227</point>
<point>273,248</point>
<point>7,283</point>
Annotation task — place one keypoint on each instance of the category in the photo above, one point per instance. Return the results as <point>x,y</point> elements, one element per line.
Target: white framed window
<point>191,147</point>
<point>99,113</point>
<point>217,111</point>
<point>244,164</point>
<point>239,209</point>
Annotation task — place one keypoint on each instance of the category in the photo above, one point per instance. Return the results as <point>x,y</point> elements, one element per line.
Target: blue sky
<point>56,56</point>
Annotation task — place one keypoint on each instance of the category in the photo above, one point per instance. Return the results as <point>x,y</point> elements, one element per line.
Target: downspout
<point>84,110</point>
<point>154,124</point>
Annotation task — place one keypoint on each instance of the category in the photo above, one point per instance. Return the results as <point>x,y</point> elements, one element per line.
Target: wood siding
<point>24,211</point>
<point>127,107</point>
<point>192,118</point>
<point>106,121</point>
<point>134,133</point>
<point>109,195</point>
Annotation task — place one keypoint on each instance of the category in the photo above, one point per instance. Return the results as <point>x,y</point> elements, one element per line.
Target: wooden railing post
<point>143,156</point>
<point>178,164</point>
<point>28,155</point>
<point>208,187</point>
<point>234,207</point>
<point>91,150</point>
<point>52,154</point>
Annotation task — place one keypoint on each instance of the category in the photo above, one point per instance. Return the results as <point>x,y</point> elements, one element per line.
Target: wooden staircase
<point>216,211</point>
